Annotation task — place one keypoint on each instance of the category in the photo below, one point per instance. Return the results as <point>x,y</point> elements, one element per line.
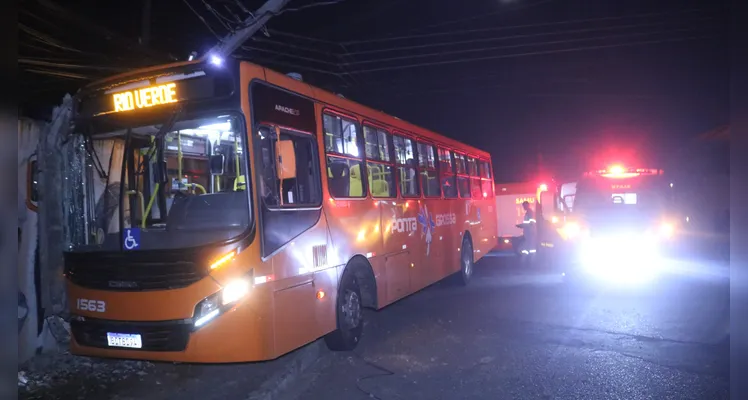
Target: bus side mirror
<point>285,160</point>
<point>216,164</point>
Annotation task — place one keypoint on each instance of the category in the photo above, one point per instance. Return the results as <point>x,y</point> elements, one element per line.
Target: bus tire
<point>467,261</point>
<point>349,316</point>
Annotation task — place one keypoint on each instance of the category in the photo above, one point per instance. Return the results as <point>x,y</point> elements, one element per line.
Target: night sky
<point>567,83</point>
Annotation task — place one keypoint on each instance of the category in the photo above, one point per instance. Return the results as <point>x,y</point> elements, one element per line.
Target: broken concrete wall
<point>30,316</point>
<point>41,289</point>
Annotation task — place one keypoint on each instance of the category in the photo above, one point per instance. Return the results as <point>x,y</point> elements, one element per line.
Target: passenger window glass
<point>427,170</point>
<point>463,185</point>
<point>426,156</point>
<point>472,166</point>
<point>406,160</point>
<point>485,170</point>
<point>377,144</point>
<point>344,177</point>
<point>288,183</point>
<point>344,161</point>
<point>476,190</point>
<point>460,165</point>
<point>381,180</point>
<point>341,135</point>
<point>448,179</point>
<point>445,161</point>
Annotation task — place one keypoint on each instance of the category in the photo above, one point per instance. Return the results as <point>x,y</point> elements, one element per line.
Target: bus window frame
<point>414,140</point>
<point>296,132</point>
<point>455,153</point>
<point>364,176</point>
<point>391,153</point>
<point>436,168</point>
<point>474,176</point>
<point>443,174</point>
<point>489,178</point>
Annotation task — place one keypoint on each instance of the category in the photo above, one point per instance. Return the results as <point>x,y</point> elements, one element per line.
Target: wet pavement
<point>519,334</point>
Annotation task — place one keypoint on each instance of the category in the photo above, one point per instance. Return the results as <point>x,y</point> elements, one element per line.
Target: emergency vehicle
<point>544,202</point>
<point>618,223</point>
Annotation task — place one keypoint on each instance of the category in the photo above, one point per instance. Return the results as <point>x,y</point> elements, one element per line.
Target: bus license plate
<point>128,340</point>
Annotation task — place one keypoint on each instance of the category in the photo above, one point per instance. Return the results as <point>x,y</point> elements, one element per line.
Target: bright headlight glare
<point>572,229</point>
<point>218,303</point>
<point>667,229</point>
<point>235,291</point>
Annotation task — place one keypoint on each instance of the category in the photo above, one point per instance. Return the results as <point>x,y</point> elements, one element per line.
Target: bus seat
<point>339,179</point>
<point>356,184</point>
<point>240,183</point>
<point>380,188</point>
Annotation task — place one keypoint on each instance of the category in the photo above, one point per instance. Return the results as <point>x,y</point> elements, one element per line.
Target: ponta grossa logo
<point>427,222</point>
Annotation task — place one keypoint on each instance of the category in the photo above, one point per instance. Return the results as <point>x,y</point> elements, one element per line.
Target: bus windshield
<point>170,186</point>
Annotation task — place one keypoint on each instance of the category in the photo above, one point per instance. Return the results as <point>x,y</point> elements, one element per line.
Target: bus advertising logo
<point>428,224</point>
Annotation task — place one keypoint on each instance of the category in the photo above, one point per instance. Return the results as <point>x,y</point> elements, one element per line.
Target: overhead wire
<point>504,10</point>
<point>203,20</point>
<point>250,48</point>
<point>515,46</point>
<point>521,36</point>
<point>288,45</point>
<point>528,54</point>
<point>510,27</point>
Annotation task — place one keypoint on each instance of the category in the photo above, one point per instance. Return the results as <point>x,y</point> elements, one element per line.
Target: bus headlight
<point>220,302</point>
<point>235,291</point>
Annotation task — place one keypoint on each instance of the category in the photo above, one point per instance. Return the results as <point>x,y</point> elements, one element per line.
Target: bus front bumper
<point>134,331</point>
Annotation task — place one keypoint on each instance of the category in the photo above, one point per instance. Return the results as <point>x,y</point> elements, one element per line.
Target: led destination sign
<point>145,97</point>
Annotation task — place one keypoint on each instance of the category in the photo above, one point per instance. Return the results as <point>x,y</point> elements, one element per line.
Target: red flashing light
<point>616,170</point>
<point>543,187</point>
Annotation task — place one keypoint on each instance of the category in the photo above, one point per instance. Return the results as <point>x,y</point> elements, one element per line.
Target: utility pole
<point>232,41</point>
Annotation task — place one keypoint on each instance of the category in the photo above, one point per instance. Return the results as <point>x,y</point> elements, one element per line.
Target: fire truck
<point>618,223</point>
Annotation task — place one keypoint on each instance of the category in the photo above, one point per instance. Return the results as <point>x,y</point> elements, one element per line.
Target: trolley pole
<point>232,41</point>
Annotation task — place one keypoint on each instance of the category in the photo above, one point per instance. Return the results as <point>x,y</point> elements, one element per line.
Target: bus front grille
<point>133,276</point>
<point>155,336</point>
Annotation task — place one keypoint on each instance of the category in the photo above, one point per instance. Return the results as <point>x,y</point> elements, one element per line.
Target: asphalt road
<point>518,334</point>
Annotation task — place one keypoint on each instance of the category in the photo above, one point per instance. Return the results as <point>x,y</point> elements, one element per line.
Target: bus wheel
<point>466,261</point>
<point>350,323</point>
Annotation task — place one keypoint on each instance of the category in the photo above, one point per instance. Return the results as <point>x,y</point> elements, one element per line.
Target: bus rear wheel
<point>466,261</point>
<point>349,311</point>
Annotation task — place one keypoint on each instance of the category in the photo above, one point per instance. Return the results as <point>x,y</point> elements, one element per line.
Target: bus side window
<point>405,157</point>
<point>463,180</point>
<point>295,181</point>
<point>447,174</point>
<point>486,179</point>
<point>378,163</point>
<point>476,189</point>
<point>428,170</point>
<point>344,159</point>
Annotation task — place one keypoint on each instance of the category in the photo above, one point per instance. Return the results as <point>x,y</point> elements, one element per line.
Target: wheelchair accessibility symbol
<point>132,238</point>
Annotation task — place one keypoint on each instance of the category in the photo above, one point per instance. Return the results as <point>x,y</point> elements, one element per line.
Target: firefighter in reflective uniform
<point>529,229</point>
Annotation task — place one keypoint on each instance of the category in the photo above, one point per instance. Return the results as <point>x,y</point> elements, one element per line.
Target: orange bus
<point>233,213</point>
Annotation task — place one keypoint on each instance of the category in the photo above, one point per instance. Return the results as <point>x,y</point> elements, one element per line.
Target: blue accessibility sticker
<point>132,238</point>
